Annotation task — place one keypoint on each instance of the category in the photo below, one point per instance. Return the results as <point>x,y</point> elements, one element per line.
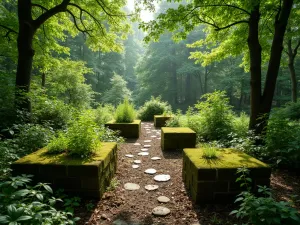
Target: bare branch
<point>39,6</point>
<point>9,30</point>
<point>76,25</point>
<point>296,48</point>
<point>232,24</point>
<point>224,5</point>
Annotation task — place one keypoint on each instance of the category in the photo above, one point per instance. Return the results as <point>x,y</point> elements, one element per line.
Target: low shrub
<point>24,204</point>
<point>155,106</point>
<point>175,120</point>
<point>103,114</point>
<point>290,111</point>
<point>264,209</point>
<point>125,112</point>
<point>241,124</point>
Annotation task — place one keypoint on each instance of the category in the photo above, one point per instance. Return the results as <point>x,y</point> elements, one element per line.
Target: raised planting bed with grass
<point>160,120</point>
<point>177,138</point>
<point>212,178</point>
<point>127,130</point>
<point>86,177</point>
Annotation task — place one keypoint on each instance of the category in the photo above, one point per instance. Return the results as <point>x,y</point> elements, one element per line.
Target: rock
<point>151,187</point>
<point>147,141</point>
<point>129,156</point>
<point>158,138</point>
<point>150,171</point>
<point>162,177</point>
<point>135,166</point>
<point>156,158</point>
<point>160,211</point>
<point>131,186</point>
<point>136,144</point>
<point>147,146</point>
<point>163,199</point>
<point>137,161</point>
<point>144,149</point>
<point>104,217</point>
<point>153,136</point>
<point>143,153</point>
<point>120,222</point>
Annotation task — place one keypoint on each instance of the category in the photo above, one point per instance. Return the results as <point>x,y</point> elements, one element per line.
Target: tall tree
<point>100,20</point>
<point>232,24</point>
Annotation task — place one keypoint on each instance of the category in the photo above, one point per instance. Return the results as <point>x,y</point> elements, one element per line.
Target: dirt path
<point>123,207</point>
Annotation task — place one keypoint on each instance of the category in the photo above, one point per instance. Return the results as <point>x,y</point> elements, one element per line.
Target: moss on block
<point>177,138</point>
<point>127,130</point>
<point>213,180</point>
<point>160,120</point>
<point>85,177</point>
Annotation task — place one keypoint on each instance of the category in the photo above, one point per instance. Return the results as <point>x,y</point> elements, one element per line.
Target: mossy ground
<point>184,130</point>
<point>227,158</point>
<point>42,157</point>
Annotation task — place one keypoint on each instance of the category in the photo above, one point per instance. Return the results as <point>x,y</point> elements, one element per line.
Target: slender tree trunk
<point>43,80</point>
<point>261,104</point>
<point>292,55</point>
<point>25,57</point>
<point>205,80</point>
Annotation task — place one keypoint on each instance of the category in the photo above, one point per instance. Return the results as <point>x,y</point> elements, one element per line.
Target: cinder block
<point>160,120</point>
<point>177,138</point>
<point>127,130</point>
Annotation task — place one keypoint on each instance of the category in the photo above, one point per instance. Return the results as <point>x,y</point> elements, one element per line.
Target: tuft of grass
<point>114,183</point>
<point>125,112</point>
<point>210,152</point>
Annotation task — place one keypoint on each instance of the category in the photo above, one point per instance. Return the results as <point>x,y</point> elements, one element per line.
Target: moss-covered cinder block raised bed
<point>177,138</point>
<point>160,120</point>
<point>214,181</point>
<point>127,130</point>
<point>85,177</point>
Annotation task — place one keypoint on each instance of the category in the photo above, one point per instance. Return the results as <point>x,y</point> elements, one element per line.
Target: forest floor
<point>123,207</point>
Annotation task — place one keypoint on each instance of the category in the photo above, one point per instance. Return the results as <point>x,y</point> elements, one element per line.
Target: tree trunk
<point>292,55</point>
<point>25,56</point>
<point>261,104</point>
<point>205,80</point>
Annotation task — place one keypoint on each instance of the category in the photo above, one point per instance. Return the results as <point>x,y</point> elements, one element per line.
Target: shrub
<point>264,209</point>
<point>241,124</point>
<point>209,152</point>
<point>23,204</point>
<point>175,120</point>
<point>153,107</point>
<point>103,114</point>
<point>215,116</point>
<point>58,144</point>
<point>125,112</point>
<point>290,111</point>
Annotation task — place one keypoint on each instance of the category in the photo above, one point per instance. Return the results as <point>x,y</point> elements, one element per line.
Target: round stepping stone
<point>147,146</point>
<point>144,149</point>
<point>150,171</point>
<point>153,136</point>
<point>143,153</point>
<point>129,156</point>
<point>148,132</point>
<point>135,166</point>
<point>162,177</point>
<point>151,187</point>
<point>160,211</point>
<point>147,141</point>
<point>158,138</point>
<point>131,186</point>
<point>137,161</point>
<point>155,158</point>
<point>163,199</point>
<point>136,144</point>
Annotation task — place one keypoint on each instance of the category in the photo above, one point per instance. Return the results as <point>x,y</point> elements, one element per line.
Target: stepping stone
<point>158,138</point>
<point>129,156</point>
<point>135,166</point>
<point>148,132</point>
<point>137,161</point>
<point>147,146</point>
<point>153,136</point>
<point>147,141</point>
<point>144,149</point>
<point>151,187</point>
<point>162,177</point>
<point>160,211</point>
<point>150,171</point>
<point>154,130</point>
<point>136,144</point>
<point>131,186</point>
<point>156,158</point>
<point>143,153</point>
<point>163,199</point>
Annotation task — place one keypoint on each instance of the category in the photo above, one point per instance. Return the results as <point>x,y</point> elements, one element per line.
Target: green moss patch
<point>177,138</point>
<point>86,177</point>
<point>127,130</point>
<point>160,120</point>
<point>213,180</point>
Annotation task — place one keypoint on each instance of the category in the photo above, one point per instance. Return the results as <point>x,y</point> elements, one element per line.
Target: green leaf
<point>23,218</point>
<point>4,219</point>
<point>40,197</point>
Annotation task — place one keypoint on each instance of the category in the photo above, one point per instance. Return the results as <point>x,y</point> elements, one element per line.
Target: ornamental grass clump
<point>210,152</point>
<point>125,112</point>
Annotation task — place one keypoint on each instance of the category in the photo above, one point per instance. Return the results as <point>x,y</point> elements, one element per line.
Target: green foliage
<point>290,111</point>
<point>71,203</point>
<point>241,124</point>
<point>58,144</point>
<point>125,112</point>
<point>174,121</point>
<point>117,92</point>
<point>215,116</point>
<point>265,209</point>
<point>155,106</point>
<point>209,151</point>
<point>35,205</point>
<point>114,183</point>
<point>103,114</point>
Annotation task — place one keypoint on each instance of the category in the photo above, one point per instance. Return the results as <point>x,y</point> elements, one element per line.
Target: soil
<point>121,206</point>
